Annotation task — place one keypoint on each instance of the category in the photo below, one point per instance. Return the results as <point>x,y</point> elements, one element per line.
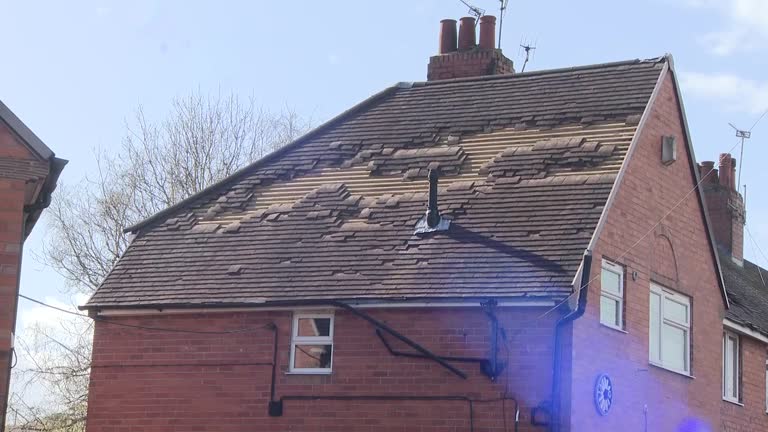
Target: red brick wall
<point>647,192</point>
<point>12,196</point>
<point>137,384</point>
<point>463,64</point>
<point>752,415</point>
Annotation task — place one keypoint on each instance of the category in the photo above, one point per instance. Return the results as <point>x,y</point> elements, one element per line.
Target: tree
<point>202,140</point>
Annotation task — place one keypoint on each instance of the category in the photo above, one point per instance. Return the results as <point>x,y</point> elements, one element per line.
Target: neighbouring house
<point>483,251</point>
<point>745,339</point>
<point>28,174</point>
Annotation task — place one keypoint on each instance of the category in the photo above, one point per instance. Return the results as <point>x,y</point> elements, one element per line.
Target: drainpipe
<point>586,266</point>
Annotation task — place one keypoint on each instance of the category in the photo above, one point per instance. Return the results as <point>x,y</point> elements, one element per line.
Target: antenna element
<point>528,50</point>
<point>502,11</point>
<point>744,135</point>
<point>474,10</point>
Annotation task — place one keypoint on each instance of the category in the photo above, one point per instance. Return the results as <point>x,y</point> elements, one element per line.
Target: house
<point>486,250</point>
<point>745,339</point>
<point>28,174</point>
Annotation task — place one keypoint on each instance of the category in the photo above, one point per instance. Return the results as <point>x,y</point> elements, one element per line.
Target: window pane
<point>733,348</point>
<point>655,327</point>
<point>610,282</point>
<point>609,311</point>
<point>673,347</point>
<point>314,327</point>
<point>728,370</point>
<point>675,311</point>
<point>312,357</point>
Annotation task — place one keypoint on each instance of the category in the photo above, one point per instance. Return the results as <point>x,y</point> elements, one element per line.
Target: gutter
<point>586,266</point>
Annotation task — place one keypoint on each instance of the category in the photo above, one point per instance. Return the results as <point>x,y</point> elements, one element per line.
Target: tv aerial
<point>744,135</point>
<point>530,52</point>
<point>474,10</point>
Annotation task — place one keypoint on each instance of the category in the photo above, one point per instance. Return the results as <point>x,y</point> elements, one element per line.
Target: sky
<point>75,72</point>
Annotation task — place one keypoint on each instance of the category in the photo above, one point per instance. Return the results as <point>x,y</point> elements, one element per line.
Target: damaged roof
<point>526,164</point>
<point>747,288</point>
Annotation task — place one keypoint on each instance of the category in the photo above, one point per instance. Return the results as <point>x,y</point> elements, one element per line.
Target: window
<point>612,295</point>
<point>312,343</point>
<point>670,330</point>
<point>766,386</point>
<point>731,367</point>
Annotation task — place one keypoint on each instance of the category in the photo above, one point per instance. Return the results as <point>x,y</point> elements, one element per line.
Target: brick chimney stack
<point>725,205</point>
<point>463,57</point>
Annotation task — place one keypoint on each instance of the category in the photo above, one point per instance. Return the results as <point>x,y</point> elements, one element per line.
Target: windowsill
<point>301,372</point>
<point>614,328</point>
<point>681,373</point>
<point>731,401</point>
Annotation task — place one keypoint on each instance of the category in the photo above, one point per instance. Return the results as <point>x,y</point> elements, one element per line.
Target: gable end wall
<point>648,190</point>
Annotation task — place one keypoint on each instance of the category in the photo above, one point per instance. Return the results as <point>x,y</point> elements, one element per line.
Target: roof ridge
<point>659,59</point>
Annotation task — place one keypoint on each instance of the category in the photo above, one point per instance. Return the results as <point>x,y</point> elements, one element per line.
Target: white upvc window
<point>312,343</point>
<point>670,330</point>
<point>612,295</point>
<point>731,367</point>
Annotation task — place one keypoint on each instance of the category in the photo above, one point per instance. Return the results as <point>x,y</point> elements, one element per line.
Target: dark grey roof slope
<point>527,162</point>
<point>747,289</point>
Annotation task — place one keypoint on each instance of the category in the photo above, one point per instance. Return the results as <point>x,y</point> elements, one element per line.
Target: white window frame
<point>667,294</point>
<point>736,363</point>
<point>310,340</point>
<point>619,270</point>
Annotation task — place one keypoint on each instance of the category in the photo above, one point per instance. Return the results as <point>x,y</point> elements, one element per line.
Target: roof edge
<point>30,139</point>
<point>625,164</point>
<point>541,72</point>
<point>268,158</point>
<point>528,301</point>
<point>698,180</point>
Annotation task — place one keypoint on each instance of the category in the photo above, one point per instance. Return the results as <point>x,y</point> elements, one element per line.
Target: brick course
<point>12,199</point>
<point>135,385</point>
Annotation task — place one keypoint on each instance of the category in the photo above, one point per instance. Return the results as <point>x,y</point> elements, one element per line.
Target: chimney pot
<point>447,36</point>
<point>467,38</point>
<point>708,172</point>
<point>725,207</point>
<point>727,171</point>
<point>488,32</point>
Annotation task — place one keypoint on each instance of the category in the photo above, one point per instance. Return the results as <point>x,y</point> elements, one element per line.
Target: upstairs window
<point>670,330</point>
<point>612,295</point>
<point>312,343</point>
<point>731,367</point>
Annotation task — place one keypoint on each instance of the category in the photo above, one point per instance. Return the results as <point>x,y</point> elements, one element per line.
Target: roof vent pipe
<point>488,32</point>
<point>433,214</point>
<point>467,34</point>
<point>447,36</point>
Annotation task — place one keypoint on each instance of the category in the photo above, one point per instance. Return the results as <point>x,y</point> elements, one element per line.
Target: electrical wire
<point>159,329</point>
<point>756,245</point>
<point>758,120</point>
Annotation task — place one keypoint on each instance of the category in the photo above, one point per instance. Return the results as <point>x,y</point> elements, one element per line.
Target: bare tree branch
<point>201,140</point>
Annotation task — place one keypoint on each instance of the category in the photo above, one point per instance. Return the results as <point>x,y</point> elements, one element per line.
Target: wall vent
<point>668,150</point>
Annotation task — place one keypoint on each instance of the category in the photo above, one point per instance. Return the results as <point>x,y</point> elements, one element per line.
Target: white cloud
<point>733,92</point>
<point>745,27</point>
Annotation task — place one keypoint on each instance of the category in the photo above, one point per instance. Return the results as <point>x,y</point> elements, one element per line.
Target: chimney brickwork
<point>464,58</point>
<point>724,205</point>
